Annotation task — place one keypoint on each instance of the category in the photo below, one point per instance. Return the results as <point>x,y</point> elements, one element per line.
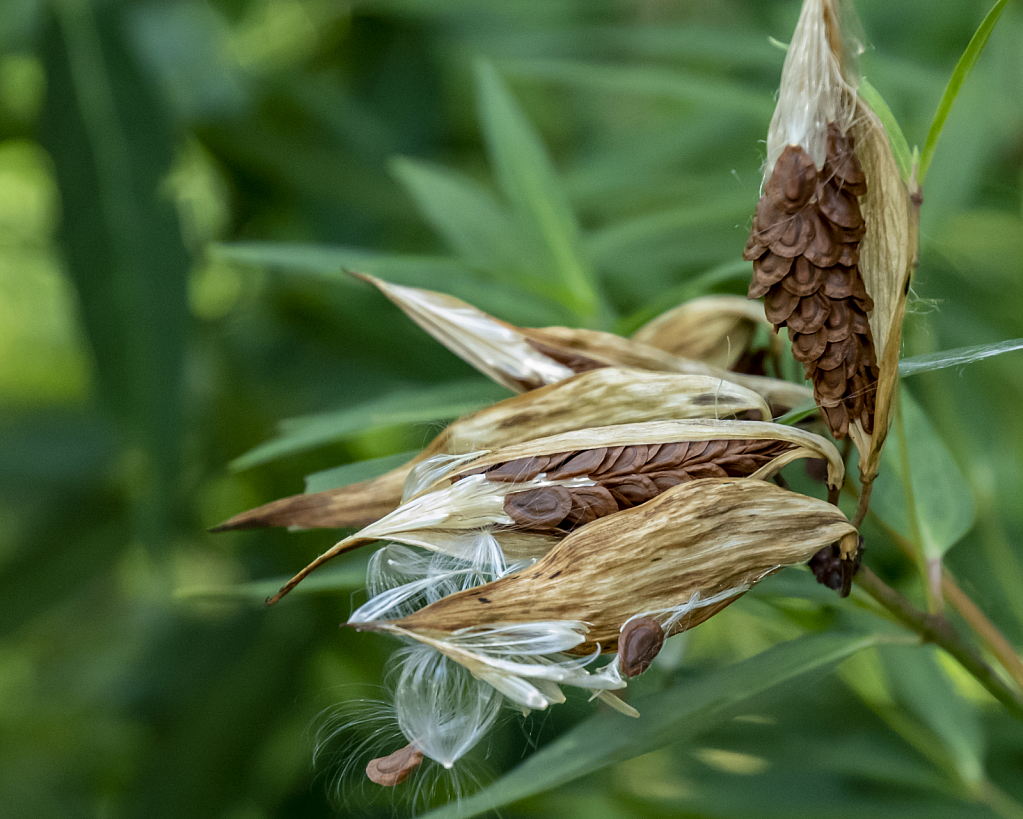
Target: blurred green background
<point>181,183</point>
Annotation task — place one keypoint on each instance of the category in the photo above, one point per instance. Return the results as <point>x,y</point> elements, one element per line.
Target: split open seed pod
<point>718,330</point>
<point>833,240</point>
<point>523,358</point>
<point>591,399</point>
<point>707,540</point>
<point>528,496</point>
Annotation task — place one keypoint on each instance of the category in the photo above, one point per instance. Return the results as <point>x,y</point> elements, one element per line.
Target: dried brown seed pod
<point>395,768</point>
<point>640,642</point>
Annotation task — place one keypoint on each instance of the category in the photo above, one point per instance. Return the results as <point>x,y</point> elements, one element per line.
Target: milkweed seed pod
<point>832,243</point>
<point>524,498</point>
<point>719,330</point>
<point>524,358</point>
<point>699,538</point>
<point>619,585</point>
<point>598,398</point>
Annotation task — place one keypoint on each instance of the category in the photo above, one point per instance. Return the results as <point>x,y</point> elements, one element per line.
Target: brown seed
<point>521,469</point>
<point>811,314</point>
<point>826,248</point>
<point>632,490</point>
<point>840,207</point>
<point>840,281</point>
<point>640,642</point>
<point>581,463</point>
<point>588,504</point>
<point>804,279</point>
<point>809,346</point>
<point>395,768</point>
<point>779,304</point>
<point>543,508</point>
<point>798,234</point>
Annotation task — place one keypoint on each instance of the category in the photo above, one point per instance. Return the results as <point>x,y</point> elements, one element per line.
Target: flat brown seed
<point>826,248</point>
<point>668,456</point>
<point>588,504</point>
<point>798,234</point>
<point>628,461</point>
<point>838,354</point>
<point>771,267</point>
<point>850,255</point>
<point>582,462</point>
<point>809,346</point>
<point>631,490</point>
<point>839,282</point>
<point>839,207</point>
<point>804,278</point>
<point>639,643</point>
<point>543,508</point>
<point>395,768</point>
<point>793,179</point>
<point>779,304</point>
<point>811,314</point>
<point>521,469</point>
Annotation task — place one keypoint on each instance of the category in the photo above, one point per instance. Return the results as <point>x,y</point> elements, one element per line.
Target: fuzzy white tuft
<point>818,85</point>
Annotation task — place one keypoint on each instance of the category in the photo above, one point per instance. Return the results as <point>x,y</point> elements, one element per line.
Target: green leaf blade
<point>528,179</point>
<point>674,714</point>
<point>962,70</point>
<point>405,407</point>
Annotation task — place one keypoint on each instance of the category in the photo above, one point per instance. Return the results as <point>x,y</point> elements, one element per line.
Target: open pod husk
<point>448,508</point>
<point>591,399</point>
<point>718,330</point>
<point>700,539</point>
<point>523,358</point>
<point>839,287</point>
<point>888,257</point>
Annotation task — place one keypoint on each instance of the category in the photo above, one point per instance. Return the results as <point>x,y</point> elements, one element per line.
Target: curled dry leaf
<point>718,330</point>
<point>700,539</point>
<point>591,473</point>
<point>523,358</point>
<point>602,397</point>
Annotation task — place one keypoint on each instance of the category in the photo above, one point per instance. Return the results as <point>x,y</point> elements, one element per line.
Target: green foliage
<point>184,187</point>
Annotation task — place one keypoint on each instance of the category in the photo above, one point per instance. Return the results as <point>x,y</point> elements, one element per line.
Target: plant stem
<point>863,504</point>
<point>988,632</point>
<point>995,641</point>
<point>934,628</point>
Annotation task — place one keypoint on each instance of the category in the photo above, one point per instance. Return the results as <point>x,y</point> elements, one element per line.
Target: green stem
<point>934,628</point>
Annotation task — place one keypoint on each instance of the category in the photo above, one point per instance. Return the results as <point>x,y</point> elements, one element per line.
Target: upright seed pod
<point>833,241</point>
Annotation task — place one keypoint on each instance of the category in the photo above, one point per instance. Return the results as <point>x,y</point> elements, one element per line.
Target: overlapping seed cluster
<point>805,251</point>
<point>624,477</point>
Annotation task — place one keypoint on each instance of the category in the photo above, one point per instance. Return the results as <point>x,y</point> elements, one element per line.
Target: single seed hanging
<point>805,246</point>
<point>395,768</point>
<point>639,644</point>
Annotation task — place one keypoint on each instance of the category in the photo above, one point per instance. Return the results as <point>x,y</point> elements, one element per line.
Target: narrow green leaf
<point>955,83</point>
<point>958,357</point>
<point>345,577</point>
<point>429,272</point>
<point>466,216</point>
<point>925,690</point>
<point>404,407</point>
<point>677,713</point>
<point>528,179</point>
<point>900,148</point>
<point>353,473</point>
<point>673,84</point>
<point>944,504</point>
<point>112,147</point>
<point>735,270</point>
